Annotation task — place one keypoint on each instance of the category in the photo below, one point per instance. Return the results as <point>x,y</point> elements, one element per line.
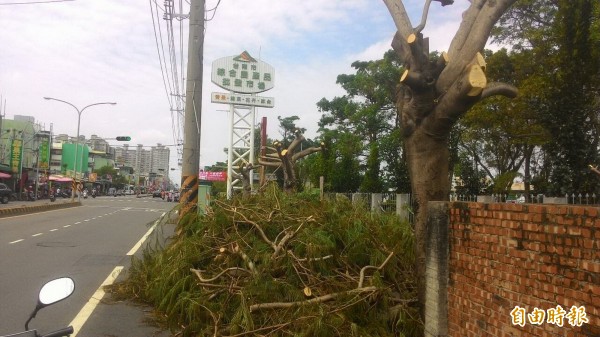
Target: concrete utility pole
<point>193,111</point>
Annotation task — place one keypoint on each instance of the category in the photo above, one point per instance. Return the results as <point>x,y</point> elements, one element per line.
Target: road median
<point>23,209</point>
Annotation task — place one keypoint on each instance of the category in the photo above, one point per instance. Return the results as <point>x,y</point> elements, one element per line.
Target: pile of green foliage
<point>277,264</point>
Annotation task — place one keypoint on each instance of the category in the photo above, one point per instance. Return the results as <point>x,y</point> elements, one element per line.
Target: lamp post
<point>77,139</point>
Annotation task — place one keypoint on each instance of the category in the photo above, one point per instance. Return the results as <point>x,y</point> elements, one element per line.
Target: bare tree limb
<point>320,299</point>
<point>365,268</point>
<point>594,169</point>
<point>228,270</point>
<point>297,140</point>
<point>475,40</point>
<point>400,17</point>
<point>461,35</point>
<point>421,25</point>
<point>306,152</point>
<point>269,164</point>
<point>497,88</point>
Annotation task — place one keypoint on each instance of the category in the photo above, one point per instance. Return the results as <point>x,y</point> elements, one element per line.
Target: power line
<point>159,59</point>
<point>33,2</point>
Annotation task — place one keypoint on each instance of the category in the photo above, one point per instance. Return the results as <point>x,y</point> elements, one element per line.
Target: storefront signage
<point>44,161</point>
<point>16,154</point>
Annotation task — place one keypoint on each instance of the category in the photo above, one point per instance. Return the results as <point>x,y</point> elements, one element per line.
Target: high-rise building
<point>155,160</point>
<point>160,159</point>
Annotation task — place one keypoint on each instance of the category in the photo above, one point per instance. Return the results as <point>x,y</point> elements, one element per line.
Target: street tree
<point>368,109</point>
<point>436,93</point>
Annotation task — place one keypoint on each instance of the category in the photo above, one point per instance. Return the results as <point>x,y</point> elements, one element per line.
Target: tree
<point>435,94</point>
<point>367,110</point>
<point>500,135</point>
<point>562,36</point>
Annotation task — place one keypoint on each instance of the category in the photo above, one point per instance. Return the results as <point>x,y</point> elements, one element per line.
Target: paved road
<point>85,243</point>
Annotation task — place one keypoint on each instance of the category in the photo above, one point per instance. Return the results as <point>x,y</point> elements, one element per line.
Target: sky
<point>91,51</point>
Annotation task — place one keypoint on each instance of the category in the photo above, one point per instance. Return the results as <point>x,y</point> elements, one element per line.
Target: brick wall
<point>532,256</point>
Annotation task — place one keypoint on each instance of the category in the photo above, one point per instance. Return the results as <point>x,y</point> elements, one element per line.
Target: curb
<point>7,212</point>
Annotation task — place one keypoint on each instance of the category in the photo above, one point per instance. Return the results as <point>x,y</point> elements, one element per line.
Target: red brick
<point>592,212</point>
<point>593,267</point>
<point>574,230</point>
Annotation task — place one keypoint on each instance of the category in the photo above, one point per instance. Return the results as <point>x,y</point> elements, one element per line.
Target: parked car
<point>156,194</point>
<point>5,193</point>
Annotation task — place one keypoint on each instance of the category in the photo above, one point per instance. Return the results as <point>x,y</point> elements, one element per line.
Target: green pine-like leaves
<point>323,247</point>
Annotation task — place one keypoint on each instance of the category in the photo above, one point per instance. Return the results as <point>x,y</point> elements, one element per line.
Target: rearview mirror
<point>56,290</point>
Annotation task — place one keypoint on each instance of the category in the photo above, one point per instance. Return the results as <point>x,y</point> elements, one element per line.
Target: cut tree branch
<point>306,152</point>
<point>475,40</point>
<point>365,268</point>
<point>320,299</point>
<point>228,270</point>
<point>497,88</point>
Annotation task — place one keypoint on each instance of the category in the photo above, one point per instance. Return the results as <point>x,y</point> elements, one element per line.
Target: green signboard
<point>16,155</point>
<point>44,159</point>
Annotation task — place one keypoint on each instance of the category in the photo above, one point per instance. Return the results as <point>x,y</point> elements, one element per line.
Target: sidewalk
<point>27,207</point>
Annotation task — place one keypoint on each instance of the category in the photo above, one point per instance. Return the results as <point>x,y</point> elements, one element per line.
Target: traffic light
<point>123,138</point>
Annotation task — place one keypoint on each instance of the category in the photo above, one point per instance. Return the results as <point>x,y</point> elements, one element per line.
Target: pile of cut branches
<point>278,265</point>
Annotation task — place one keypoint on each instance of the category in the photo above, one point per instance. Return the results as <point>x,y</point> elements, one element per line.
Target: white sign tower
<point>244,77</point>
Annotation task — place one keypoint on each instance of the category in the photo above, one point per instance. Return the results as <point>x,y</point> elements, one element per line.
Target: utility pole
<point>193,111</point>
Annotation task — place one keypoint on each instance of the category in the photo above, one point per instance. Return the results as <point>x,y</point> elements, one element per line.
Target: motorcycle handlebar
<point>60,333</point>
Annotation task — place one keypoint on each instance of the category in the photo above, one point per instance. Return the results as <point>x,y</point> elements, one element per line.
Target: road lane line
<point>91,304</point>
<point>10,243</point>
<point>54,230</point>
<point>66,226</point>
<point>38,234</point>
<point>86,220</point>
<point>78,222</point>
<point>141,242</point>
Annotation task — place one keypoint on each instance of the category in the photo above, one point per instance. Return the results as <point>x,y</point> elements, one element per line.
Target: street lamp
<point>77,139</point>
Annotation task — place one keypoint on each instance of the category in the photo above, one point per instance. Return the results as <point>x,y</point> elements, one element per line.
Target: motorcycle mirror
<point>52,292</point>
<point>56,290</point>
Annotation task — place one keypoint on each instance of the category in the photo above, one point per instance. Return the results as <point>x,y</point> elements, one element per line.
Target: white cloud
<point>92,51</point>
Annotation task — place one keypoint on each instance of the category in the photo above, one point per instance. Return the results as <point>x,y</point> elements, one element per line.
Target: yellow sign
<point>16,152</point>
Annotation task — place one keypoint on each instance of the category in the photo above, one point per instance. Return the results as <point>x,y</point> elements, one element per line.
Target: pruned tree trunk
<point>286,159</point>
<point>245,177</point>
<point>435,94</point>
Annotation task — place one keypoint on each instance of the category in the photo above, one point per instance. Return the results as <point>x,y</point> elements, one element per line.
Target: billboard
<point>213,176</point>
<point>243,74</point>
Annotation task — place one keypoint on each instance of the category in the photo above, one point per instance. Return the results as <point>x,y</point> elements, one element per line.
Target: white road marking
<point>99,216</point>
<point>10,243</point>
<point>78,222</point>
<point>66,226</point>
<point>38,234</point>
<point>86,220</point>
<point>89,307</point>
<point>54,230</point>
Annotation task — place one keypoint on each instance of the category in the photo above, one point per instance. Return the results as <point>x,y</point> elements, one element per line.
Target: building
<point>93,153</point>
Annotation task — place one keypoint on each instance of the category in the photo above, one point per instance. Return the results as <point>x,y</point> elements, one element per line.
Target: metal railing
<point>401,204</point>
<point>379,202</point>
